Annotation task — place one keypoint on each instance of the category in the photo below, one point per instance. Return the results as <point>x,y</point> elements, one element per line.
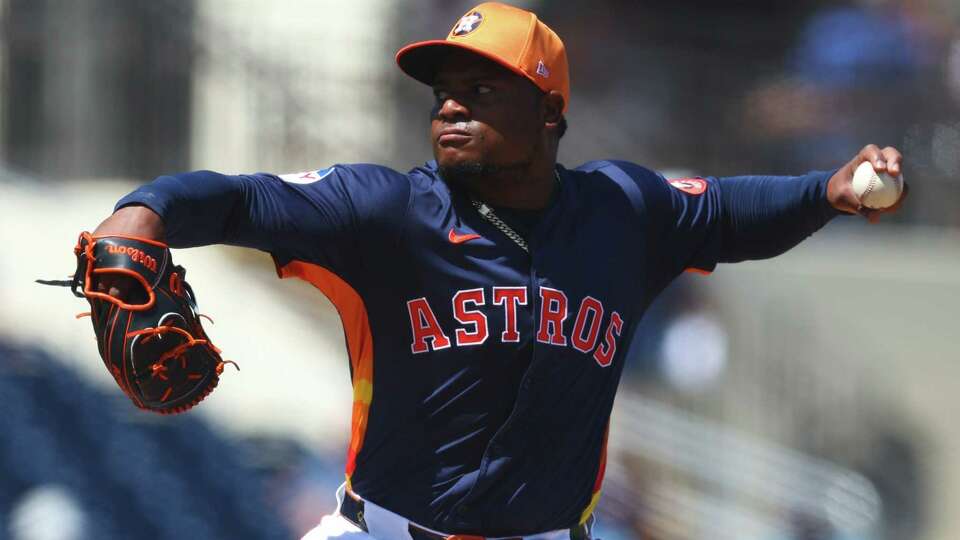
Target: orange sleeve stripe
<point>700,271</point>
<point>598,483</point>
<point>356,329</point>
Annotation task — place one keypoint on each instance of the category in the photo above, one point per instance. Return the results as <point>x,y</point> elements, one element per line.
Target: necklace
<point>488,214</point>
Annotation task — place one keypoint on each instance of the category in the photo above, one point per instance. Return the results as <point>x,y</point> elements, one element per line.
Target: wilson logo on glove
<point>150,339</point>
<point>136,255</point>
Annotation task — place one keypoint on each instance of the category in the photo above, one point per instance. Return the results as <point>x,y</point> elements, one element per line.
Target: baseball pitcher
<point>488,297</point>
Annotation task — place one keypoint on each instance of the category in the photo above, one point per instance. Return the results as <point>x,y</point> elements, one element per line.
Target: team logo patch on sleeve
<point>693,186</point>
<point>468,23</point>
<point>306,177</point>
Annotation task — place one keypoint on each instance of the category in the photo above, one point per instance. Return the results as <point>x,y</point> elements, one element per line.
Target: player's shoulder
<point>364,185</point>
<point>353,172</point>
<point>636,181</point>
<point>354,180</point>
<point>426,181</point>
<point>620,171</point>
<point>605,165</point>
<point>651,183</point>
<point>368,173</point>
<point>429,172</point>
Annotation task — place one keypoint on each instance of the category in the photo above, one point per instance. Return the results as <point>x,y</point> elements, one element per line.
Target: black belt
<point>352,510</point>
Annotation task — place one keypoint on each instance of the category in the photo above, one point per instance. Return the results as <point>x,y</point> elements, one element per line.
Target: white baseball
<point>876,191</point>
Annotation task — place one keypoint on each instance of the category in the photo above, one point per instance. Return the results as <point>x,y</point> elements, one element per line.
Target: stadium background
<point>808,397</point>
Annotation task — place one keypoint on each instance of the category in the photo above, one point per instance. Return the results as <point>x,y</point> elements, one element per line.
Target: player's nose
<point>451,110</point>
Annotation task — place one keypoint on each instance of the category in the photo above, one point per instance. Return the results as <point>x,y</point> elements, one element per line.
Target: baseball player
<point>488,297</point>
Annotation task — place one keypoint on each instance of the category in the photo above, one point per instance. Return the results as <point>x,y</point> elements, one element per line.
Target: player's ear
<point>551,109</point>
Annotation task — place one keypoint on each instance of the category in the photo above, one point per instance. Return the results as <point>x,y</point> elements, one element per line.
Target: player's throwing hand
<point>841,192</point>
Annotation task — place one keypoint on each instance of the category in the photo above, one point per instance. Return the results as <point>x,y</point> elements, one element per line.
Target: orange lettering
<point>136,255</point>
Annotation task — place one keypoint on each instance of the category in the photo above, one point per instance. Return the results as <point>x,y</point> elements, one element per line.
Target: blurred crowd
<point>685,85</point>
<point>728,88</point>
<point>74,464</point>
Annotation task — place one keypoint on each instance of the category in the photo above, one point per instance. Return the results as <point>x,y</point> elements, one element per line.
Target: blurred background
<point>807,397</point>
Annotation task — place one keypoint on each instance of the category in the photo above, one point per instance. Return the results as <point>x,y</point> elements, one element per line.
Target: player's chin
<point>461,172</point>
<point>455,157</point>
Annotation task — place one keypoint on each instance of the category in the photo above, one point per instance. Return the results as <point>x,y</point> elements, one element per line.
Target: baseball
<point>876,191</point>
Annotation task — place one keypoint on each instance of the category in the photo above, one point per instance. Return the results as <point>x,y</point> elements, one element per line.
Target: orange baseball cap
<point>509,36</point>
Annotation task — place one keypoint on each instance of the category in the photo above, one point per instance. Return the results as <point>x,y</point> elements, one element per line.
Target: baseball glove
<point>151,340</point>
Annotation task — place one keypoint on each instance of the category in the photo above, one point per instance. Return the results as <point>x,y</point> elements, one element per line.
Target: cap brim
<point>422,59</point>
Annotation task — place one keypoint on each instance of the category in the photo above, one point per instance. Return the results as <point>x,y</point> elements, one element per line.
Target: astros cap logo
<point>468,23</point>
<point>512,37</point>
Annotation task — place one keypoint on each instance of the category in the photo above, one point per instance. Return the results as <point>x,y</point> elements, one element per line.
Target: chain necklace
<point>488,214</point>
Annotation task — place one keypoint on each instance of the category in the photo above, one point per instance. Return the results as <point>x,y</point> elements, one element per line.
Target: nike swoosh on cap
<point>460,238</point>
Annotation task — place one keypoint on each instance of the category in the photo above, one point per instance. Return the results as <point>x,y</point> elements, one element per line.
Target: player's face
<point>484,117</point>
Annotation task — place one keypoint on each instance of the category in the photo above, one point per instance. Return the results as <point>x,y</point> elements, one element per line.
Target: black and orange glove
<point>150,336</point>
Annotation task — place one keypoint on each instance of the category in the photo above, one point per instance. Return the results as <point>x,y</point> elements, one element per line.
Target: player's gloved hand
<point>144,314</point>
<point>840,192</point>
<point>135,221</point>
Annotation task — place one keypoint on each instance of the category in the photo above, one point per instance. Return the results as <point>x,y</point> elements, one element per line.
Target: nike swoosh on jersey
<point>460,238</point>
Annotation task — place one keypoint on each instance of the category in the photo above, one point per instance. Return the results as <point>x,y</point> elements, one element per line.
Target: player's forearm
<point>764,216</point>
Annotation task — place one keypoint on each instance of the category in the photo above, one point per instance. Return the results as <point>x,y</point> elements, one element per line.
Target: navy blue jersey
<point>484,375</point>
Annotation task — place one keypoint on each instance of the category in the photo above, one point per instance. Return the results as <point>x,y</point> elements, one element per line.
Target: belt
<point>352,508</point>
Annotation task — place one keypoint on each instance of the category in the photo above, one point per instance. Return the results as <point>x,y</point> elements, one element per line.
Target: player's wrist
<point>840,194</point>
<point>133,220</point>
